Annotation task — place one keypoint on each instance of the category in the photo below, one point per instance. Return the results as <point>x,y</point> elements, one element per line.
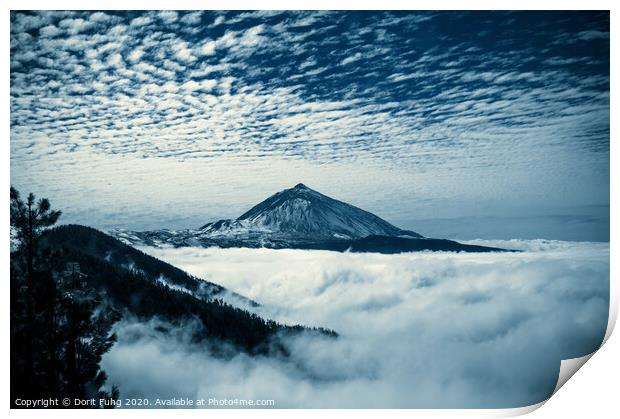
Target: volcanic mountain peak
<point>303,213</point>
<point>301,218</point>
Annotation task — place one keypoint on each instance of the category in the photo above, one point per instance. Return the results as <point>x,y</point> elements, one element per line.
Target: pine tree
<point>29,220</point>
<point>85,329</point>
<point>60,328</point>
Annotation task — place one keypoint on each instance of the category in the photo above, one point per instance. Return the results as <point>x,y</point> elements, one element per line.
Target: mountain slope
<point>302,213</point>
<point>300,218</point>
<point>392,245</point>
<point>143,287</point>
<point>94,243</point>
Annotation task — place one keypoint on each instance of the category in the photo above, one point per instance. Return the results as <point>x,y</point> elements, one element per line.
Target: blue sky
<point>171,119</point>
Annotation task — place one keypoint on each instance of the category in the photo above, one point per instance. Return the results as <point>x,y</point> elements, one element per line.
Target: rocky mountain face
<point>301,213</point>
<point>299,218</point>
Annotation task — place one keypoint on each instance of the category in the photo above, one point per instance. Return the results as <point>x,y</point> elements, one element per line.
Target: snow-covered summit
<point>300,218</point>
<point>303,213</point>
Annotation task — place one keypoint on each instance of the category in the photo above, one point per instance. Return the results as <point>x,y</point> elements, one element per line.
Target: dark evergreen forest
<point>70,284</point>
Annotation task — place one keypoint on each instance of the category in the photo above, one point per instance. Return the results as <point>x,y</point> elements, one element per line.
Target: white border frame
<point>597,387</point>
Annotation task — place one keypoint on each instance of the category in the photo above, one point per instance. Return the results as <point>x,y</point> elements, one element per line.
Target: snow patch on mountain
<point>299,218</point>
<point>303,213</point>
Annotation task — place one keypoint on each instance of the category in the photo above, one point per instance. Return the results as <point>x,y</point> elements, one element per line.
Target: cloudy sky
<point>469,124</point>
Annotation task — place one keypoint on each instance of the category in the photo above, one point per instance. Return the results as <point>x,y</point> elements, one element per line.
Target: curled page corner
<point>568,367</point>
<point>519,411</point>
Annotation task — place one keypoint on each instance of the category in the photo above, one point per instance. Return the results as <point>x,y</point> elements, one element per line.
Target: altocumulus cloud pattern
<point>464,106</point>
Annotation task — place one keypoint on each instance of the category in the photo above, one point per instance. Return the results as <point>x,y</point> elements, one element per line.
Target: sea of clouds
<point>416,330</point>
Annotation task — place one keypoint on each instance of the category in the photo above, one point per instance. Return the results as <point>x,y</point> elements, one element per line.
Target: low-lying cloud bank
<point>416,330</point>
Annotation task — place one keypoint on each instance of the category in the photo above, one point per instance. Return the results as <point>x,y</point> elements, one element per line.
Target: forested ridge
<point>70,284</point>
<point>130,284</point>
